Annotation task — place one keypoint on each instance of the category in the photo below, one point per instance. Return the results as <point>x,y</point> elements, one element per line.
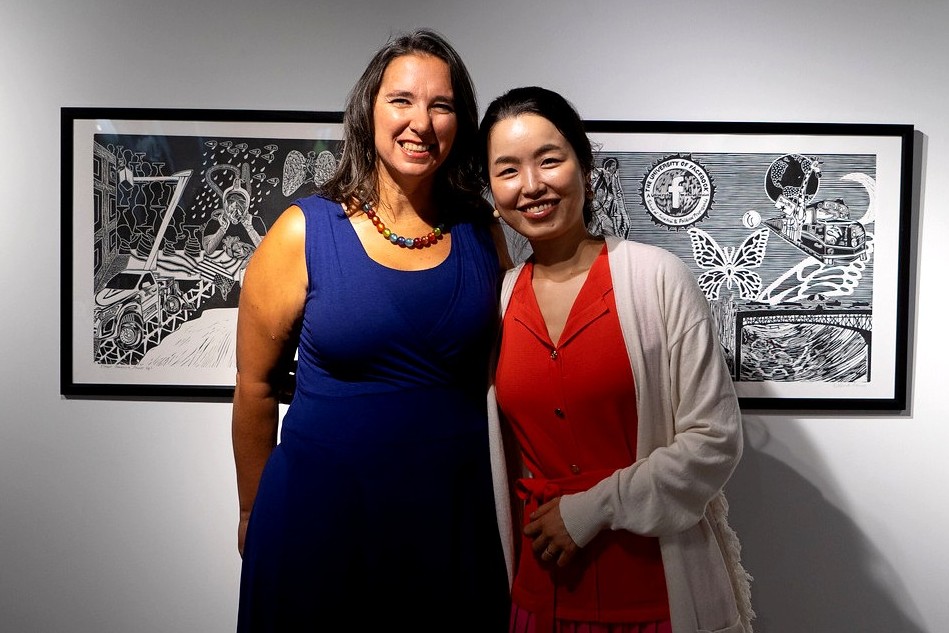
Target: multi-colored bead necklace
<point>406,242</point>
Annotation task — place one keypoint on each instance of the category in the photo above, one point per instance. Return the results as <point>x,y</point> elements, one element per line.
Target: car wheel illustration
<point>173,304</point>
<point>131,331</point>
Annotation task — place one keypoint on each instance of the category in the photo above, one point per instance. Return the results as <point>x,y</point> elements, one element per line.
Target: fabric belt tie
<point>535,492</point>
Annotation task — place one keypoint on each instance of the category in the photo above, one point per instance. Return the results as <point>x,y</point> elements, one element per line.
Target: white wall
<point>119,516</point>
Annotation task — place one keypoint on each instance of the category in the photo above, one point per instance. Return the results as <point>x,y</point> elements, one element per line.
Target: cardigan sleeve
<point>690,437</point>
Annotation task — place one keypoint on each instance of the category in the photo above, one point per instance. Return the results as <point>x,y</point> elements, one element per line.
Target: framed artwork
<point>161,212</point>
<point>797,233</point>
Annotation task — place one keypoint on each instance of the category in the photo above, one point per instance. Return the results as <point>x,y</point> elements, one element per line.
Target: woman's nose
<point>422,121</point>
<point>532,184</point>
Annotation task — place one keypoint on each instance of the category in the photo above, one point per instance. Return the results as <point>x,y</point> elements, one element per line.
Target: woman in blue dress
<point>376,507</point>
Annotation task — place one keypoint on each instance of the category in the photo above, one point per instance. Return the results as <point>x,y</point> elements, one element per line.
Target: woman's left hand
<point>551,541</point>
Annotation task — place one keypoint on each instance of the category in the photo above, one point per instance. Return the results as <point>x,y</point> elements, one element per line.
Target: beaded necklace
<point>397,240</point>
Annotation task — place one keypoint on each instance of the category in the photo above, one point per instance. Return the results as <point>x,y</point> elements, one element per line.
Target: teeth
<point>415,147</point>
<point>539,208</point>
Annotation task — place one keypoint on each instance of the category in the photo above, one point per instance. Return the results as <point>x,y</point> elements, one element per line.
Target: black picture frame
<point>149,292</point>
<point>799,233</point>
<point>864,174</point>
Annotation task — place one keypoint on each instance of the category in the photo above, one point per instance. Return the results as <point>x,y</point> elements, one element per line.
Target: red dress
<point>572,408</point>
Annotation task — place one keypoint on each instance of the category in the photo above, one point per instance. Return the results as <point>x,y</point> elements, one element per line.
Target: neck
<point>565,258</point>
<point>414,198</point>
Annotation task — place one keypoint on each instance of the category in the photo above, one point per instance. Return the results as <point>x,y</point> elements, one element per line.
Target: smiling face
<point>414,119</point>
<point>536,179</point>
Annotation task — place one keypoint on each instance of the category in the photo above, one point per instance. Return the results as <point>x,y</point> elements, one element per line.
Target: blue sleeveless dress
<point>376,507</point>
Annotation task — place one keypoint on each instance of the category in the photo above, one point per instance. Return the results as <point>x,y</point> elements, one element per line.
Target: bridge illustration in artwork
<point>759,334</point>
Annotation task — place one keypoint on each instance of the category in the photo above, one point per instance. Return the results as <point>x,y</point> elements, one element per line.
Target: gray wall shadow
<point>813,567</point>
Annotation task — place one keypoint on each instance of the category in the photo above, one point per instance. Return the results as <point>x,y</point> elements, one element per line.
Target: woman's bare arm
<point>271,307</point>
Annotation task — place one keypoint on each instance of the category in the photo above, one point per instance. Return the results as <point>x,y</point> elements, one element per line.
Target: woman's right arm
<point>271,307</point>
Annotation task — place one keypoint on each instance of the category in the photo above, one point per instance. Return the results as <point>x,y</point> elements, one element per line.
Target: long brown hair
<point>356,175</point>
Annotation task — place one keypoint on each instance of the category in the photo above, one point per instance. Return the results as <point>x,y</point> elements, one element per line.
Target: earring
<point>496,213</point>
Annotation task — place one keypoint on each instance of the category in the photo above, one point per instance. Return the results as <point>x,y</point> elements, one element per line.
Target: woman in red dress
<point>615,421</point>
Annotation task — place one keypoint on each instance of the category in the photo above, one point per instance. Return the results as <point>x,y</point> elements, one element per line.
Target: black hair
<point>556,109</point>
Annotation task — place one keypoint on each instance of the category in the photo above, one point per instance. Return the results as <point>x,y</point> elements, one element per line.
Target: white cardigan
<point>689,441</point>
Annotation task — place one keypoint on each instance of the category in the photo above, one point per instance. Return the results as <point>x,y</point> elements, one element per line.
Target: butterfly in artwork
<point>729,265</point>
